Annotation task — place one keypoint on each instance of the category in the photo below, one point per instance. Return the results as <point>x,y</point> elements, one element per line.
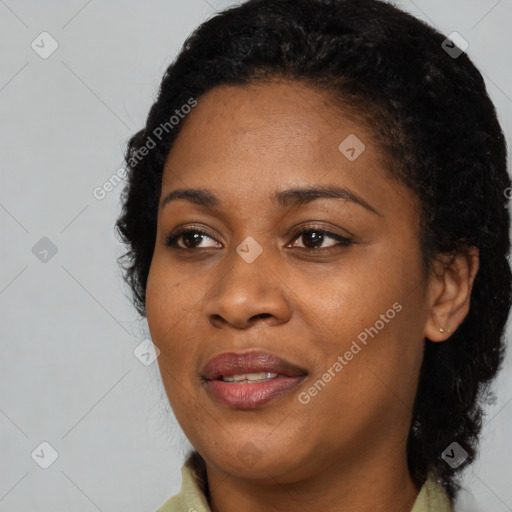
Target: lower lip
<point>253,394</point>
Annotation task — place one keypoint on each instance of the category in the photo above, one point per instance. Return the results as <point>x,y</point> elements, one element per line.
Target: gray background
<point>68,375</point>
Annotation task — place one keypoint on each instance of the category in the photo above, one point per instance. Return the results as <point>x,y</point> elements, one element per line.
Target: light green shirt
<point>431,498</point>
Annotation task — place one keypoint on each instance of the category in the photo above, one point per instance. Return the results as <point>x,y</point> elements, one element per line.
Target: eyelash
<point>172,239</point>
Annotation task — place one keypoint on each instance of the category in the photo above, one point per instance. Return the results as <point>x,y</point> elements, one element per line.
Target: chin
<point>261,462</point>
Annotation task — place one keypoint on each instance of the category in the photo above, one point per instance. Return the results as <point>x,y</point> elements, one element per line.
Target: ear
<point>449,292</point>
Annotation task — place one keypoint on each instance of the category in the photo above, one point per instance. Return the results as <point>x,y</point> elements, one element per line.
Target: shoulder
<point>432,497</point>
<point>193,496</point>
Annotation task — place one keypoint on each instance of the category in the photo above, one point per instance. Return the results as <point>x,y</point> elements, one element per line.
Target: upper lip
<point>236,363</point>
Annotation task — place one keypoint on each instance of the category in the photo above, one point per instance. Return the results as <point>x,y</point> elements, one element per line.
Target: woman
<point>317,230</point>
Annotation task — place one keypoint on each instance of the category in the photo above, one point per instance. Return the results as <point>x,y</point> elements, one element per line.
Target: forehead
<point>251,140</point>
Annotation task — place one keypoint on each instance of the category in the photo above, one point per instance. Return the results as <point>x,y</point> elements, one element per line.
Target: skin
<point>346,449</point>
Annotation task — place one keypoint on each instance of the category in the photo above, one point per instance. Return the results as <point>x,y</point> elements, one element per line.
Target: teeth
<point>249,377</point>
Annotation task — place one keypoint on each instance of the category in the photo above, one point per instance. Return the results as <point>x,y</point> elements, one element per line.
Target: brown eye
<point>190,238</point>
<point>314,238</point>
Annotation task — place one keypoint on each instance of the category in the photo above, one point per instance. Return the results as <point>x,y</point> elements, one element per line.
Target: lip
<point>234,363</point>
<point>245,394</point>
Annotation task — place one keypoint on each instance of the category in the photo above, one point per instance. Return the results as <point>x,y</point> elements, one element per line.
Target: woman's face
<point>333,284</point>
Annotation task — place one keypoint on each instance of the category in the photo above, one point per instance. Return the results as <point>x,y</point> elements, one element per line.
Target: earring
<point>447,330</point>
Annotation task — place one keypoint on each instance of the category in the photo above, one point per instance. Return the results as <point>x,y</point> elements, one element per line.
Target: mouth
<point>247,380</point>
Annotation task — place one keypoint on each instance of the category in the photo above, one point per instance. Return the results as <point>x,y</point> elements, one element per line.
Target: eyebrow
<point>293,197</point>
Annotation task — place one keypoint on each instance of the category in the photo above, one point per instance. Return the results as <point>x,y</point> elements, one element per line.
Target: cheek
<point>341,302</point>
<point>168,307</point>
<point>372,314</point>
<point>169,298</point>
<point>167,320</point>
<point>174,307</point>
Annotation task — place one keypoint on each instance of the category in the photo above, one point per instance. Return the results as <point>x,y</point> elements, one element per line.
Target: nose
<point>249,293</point>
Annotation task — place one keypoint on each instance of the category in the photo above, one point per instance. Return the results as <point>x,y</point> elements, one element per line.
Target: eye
<point>191,238</point>
<point>314,237</point>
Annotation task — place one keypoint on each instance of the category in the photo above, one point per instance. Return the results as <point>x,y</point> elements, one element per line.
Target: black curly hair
<point>429,111</point>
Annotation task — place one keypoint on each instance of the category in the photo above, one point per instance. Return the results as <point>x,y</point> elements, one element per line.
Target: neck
<point>377,486</point>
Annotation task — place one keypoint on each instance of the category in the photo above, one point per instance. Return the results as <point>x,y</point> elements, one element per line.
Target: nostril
<point>262,315</point>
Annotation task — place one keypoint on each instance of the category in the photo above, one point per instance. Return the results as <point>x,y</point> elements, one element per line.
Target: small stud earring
<point>447,330</point>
